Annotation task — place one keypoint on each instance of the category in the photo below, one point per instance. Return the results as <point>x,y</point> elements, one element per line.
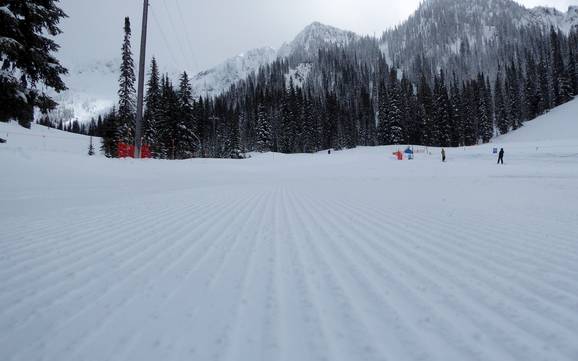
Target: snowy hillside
<point>43,140</point>
<point>91,91</point>
<point>560,124</point>
<point>220,78</point>
<point>348,256</point>
<point>468,36</point>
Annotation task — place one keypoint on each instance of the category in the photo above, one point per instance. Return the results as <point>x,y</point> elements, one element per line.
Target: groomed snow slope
<point>561,124</point>
<point>349,256</point>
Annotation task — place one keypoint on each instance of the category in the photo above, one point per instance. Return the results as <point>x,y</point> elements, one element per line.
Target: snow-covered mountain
<point>313,37</point>
<point>463,36</point>
<point>93,87</point>
<point>91,91</point>
<point>468,36</point>
<point>218,79</point>
<point>305,45</point>
<point>551,16</point>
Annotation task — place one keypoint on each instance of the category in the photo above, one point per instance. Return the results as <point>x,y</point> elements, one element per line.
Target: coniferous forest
<point>345,96</point>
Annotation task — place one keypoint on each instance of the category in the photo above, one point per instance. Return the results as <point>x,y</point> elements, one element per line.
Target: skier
<point>501,156</point>
<point>443,155</point>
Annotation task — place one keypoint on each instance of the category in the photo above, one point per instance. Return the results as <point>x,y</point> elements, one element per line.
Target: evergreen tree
<point>331,114</point>
<point>152,114</point>
<point>485,122</point>
<point>264,142</point>
<point>502,121</point>
<point>383,127</point>
<point>532,90</point>
<point>411,122</point>
<point>290,121</point>
<point>490,107</point>
<point>394,111</point>
<point>471,114</point>
<point>514,96</point>
<point>426,111</point>
<point>561,82</point>
<point>457,116</point>
<point>186,139</point>
<point>573,71</point>
<point>109,144</point>
<point>442,110</point>
<point>234,139</point>
<point>126,92</point>
<point>310,141</point>
<point>169,121</point>
<point>27,61</point>
<point>545,84</point>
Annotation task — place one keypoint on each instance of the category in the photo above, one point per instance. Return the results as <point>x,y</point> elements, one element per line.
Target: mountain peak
<point>316,25</point>
<point>314,37</point>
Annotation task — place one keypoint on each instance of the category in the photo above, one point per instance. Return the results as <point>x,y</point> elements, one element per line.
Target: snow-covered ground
<point>348,256</point>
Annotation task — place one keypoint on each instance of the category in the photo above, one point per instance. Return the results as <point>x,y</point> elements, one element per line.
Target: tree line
<point>350,96</point>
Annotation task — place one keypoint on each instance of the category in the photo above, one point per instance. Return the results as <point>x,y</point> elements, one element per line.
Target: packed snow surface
<point>348,256</point>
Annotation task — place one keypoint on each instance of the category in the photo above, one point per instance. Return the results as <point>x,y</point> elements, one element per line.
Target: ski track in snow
<point>285,273</point>
<point>348,257</point>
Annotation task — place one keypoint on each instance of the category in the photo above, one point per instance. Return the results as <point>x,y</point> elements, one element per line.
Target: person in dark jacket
<point>443,155</point>
<point>501,156</point>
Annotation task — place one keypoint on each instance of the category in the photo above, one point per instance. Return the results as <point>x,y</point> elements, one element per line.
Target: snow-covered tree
<point>187,140</point>
<point>28,65</point>
<point>393,116</point>
<point>126,92</point>
<point>500,104</point>
<point>152,113</point>
<point>263,130</point>
<point>383,127</point>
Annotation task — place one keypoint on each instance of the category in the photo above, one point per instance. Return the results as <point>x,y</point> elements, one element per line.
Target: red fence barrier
<point>128,150</point>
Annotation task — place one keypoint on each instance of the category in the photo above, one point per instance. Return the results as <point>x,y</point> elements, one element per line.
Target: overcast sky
<point>202,33</point>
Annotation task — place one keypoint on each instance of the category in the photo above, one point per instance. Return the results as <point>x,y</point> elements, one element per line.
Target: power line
<point>187,35</point>
<point>161,31</point>
<point>174,30</point>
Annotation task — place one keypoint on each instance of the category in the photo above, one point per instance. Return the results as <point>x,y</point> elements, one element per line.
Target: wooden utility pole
<point>141,75</point>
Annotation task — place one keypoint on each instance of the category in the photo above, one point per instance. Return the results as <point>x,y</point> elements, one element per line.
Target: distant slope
<point>220,78</point>
<point>42,139</point>
<point>560,124</point>
<point>91,91</point>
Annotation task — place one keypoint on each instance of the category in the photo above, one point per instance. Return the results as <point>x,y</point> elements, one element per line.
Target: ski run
<point>348,256</point>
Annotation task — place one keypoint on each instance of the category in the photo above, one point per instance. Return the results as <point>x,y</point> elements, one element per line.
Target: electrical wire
<point>172,25</point>
<point>187,35</point>
<point>167,44</point>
